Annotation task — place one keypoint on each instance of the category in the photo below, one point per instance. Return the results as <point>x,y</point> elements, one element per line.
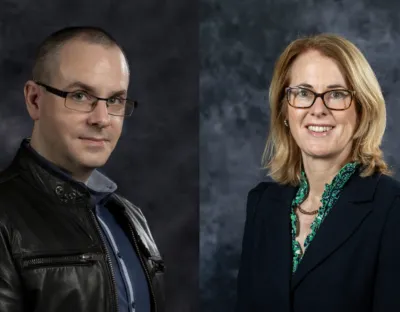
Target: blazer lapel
<point>341,222</point>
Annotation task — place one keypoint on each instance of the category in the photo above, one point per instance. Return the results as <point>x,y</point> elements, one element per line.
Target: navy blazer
<point>352,264</point>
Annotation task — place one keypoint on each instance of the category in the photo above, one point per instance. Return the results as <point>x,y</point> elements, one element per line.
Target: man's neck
<point>76,174</point>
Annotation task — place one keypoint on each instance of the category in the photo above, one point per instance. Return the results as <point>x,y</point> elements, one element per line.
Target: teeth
<point>319,129</point>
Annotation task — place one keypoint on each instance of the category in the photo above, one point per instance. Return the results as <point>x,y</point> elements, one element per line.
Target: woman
<point>324,236</point>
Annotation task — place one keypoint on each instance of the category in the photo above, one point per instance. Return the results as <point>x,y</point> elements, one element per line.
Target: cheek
<point>67,126</point>
<point>52,115</point>
<point>51,121</point>
<point>47,112</point>
<point>295,118</point>
<point>350,122</point>
<point>116,126</point>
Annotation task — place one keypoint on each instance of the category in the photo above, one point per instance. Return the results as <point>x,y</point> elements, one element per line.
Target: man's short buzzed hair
<point>48,49</point>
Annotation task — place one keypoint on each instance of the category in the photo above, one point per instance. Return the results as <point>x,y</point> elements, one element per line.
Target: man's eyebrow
<point>92,90</point>
<point>81,85</point>
<point>120,92</point>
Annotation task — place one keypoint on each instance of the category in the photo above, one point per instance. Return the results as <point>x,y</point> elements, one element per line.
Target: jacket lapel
<point>341,222</point>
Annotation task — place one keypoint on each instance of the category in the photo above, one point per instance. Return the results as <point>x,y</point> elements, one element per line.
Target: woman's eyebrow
<point>332,86</point>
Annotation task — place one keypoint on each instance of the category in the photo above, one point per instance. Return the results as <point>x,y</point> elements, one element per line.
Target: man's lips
<point>94,139</point>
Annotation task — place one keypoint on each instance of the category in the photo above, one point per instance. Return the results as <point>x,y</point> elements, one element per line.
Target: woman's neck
<point>320,172</point>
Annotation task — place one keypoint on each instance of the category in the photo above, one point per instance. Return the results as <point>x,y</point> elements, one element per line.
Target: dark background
<point>155,163</point>
<point>240,42</point>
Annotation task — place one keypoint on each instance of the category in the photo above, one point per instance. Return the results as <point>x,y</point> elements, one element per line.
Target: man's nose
<point>99,116</point>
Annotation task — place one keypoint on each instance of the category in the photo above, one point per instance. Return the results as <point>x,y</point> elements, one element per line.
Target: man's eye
<point>80,96</point>
<point>115,100</point>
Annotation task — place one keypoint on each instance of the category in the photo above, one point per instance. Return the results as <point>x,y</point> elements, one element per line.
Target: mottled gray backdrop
<point>156,161</point>
<point>239,44</point>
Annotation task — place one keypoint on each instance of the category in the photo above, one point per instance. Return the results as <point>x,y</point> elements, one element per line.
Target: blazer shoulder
<point>255,195</point>
<point>388,186</point>
<point>258,190</point>
<point>260,187</point>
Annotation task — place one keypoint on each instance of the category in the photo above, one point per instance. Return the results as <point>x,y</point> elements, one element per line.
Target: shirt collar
<point>338,181</point>
<point>98,184</point>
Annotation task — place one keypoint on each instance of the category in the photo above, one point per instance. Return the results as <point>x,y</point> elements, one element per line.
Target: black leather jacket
<point>52,254</point>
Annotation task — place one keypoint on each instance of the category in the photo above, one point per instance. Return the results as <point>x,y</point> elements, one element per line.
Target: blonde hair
<point>282,156</point>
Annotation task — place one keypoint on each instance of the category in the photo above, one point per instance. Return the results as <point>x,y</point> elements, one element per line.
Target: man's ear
<point>32,94</point>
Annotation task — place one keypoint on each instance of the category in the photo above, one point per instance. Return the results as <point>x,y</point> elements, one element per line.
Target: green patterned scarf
<point>329,197</point>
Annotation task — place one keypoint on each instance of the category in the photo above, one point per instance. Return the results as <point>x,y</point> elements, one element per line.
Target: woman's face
<point>319,131</point>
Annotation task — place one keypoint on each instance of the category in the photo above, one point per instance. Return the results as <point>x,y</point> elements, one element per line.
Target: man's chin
<point>93,162</point>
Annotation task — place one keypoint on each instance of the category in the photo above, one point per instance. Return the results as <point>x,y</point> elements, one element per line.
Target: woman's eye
<point>338,94</point>
<point>304,93</point>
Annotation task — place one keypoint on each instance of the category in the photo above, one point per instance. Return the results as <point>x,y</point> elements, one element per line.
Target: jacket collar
<point>358,189</point>
<point>351,209</point>
<point>57,182</point>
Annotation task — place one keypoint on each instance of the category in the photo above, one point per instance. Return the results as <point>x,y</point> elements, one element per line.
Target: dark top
<point>351,264</point>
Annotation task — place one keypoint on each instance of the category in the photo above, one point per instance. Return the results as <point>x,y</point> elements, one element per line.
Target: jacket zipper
<point>83,259</point>
<point>143,264</point>
<point>113,283</point>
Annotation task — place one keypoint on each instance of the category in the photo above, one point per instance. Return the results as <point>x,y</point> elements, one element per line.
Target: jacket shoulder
<point>255,195</point>
<point>10,193</point>
<point>387,193</point>
<point>389,184</point>
<point>8,174</point>
<point>260,188</point>
<point>386,190</point>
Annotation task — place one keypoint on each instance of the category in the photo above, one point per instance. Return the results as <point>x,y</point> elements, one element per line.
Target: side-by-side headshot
<point>202,155</point>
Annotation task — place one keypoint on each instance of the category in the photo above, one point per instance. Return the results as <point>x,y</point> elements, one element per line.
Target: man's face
<point>81,141</point>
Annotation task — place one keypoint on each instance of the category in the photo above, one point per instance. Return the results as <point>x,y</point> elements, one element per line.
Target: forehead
<point>314,68</point>
<point>93,64</point>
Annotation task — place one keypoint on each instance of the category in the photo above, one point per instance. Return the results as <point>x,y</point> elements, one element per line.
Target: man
<point>67,241</point>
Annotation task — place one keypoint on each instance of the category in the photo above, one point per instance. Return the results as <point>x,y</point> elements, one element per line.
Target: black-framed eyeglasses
<point>82,101</point>
<point>338,99</point>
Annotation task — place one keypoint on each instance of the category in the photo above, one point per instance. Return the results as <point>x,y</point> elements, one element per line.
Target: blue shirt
<point>132,286</point>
